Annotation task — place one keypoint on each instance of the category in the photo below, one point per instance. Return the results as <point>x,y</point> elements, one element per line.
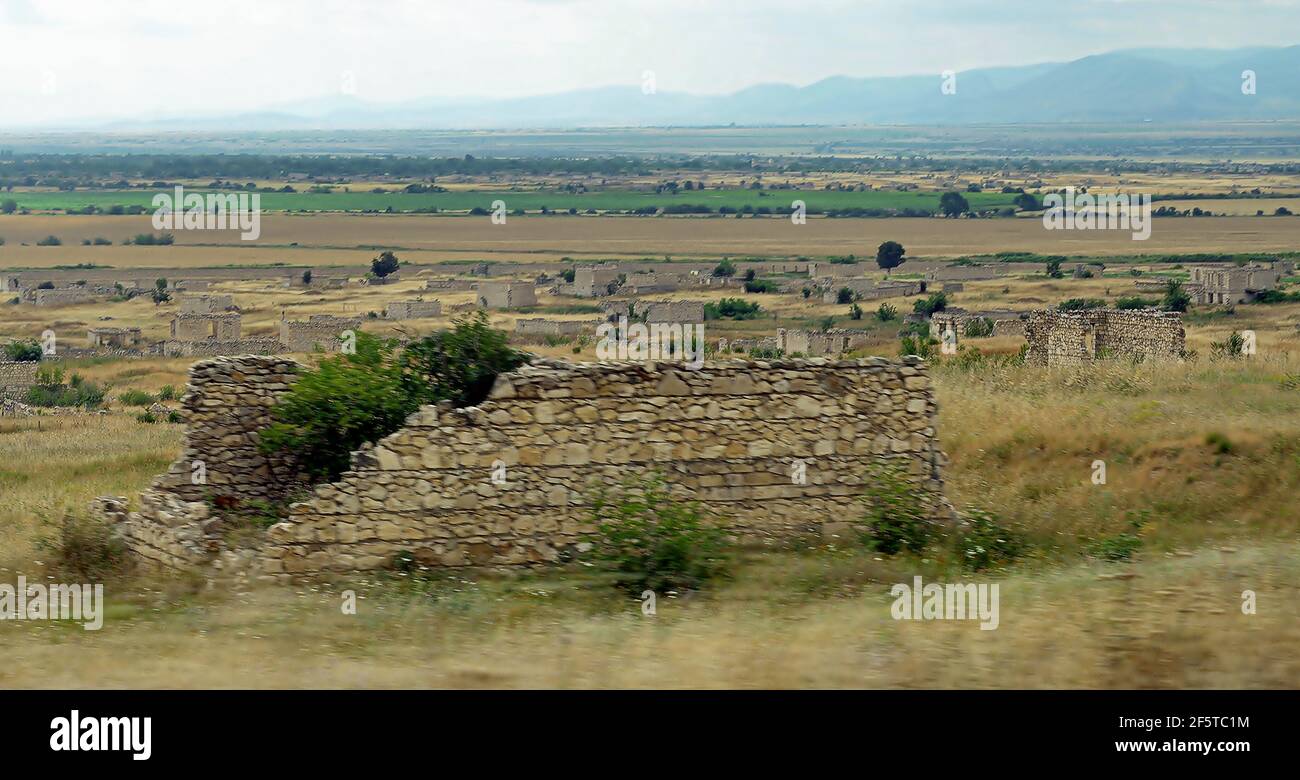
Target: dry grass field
<point>342,239</point>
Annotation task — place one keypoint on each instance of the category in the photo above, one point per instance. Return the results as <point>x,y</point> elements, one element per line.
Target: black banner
<point>320,729</point>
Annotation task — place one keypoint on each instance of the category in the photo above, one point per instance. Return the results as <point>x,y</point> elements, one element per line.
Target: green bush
<point>346,401</point>
<point>134,398</point>
<point>647,540</point>
<point>896,518</point>
<point>349,400</point>
<point>23,351</point>
<point>1220,443</point>
<point>50,391</point>
<point>1121,546</point>
<point>979,327</point>
<point>1135,302</point>
<point>1228,349</point>
<point>458,365</point>
<point>886,313</point>
<point>920,345</point>
<point>761,286</point>
<point>732,309</point>
<point>168,393</point>
<point>1081,304</point>
<point>844,295</point>
<point>928,306</point>
<point>1175,298</point>
<point>985,544</point>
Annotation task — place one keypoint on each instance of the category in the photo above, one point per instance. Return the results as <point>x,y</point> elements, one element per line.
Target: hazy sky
<point>118,58</point>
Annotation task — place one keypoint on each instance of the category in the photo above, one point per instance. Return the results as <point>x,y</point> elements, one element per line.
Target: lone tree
<point>890,255</point>
<point>159,292</point>
<point>725,269</point>
<point>384,265</point>
<point>953,204</point>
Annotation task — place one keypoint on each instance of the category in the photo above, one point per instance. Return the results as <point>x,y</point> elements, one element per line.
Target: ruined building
<point>1080,337</point>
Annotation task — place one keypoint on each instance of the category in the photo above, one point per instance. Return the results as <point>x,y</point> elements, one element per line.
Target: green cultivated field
<point>532,200</point>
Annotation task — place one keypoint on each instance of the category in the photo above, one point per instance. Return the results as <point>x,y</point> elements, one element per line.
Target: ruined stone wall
<point>205,304</point>
<point>727,435</point>
<point>541,328</point>
<point>457,285</point>
<point>318,332</point>
<point>967,273</point>
<point>593,281</point>
<point>64,297</point>
<point>226,403</point>
<point>16,378</point>
<point>814,343</point>
<point>214,348</point>
<point>408,310</point>
<point>506,295</point>
<point>199,327</point>
<point>1079,337</point>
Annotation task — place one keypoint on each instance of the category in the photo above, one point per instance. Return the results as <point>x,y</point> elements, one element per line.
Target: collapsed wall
<point>773,449</point>
<point>227,402</point>
<point>1079,337</point>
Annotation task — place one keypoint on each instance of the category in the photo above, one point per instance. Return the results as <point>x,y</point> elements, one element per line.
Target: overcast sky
<point>110,59</point>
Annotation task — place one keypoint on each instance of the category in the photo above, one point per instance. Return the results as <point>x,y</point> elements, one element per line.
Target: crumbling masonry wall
<point>227,402</point>
<point>729,435</point>
<point>1080,337</point>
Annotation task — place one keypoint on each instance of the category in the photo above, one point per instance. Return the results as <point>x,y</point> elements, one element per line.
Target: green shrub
<point>646,539</point>
<point>844,295</point>
<point>1081,304</point>
<point>985,544</point>
<point>896,518</point>
<point>459,364</point>
<point>50,391</point>
<point>1135,302</point>
<point>726,268</point>
<point>928,306</point>
<point>134,398</point>
<point>23,351</point>
<point>731,309</point>
<point>886,313</point>
<point>920,345</point>
<point>349,400</point>
<point>1121,546</point>
<point>979,327</point>
<point>1220,443</point>
<point>760,286</point>
<point>168,393</point>
<point>346,401</point>
<point>1175,298</point>
<point>1228,349</point>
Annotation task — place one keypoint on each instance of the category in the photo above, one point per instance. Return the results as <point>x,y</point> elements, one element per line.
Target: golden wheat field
<point>350,239</point>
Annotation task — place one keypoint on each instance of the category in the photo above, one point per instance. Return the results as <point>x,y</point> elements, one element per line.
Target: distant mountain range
<point>1136,85</point>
